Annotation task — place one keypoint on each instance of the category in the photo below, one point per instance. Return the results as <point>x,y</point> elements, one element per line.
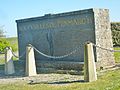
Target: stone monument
<point>59,34</point>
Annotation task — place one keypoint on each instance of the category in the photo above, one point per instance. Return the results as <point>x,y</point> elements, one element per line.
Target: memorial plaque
<point>59,34</point>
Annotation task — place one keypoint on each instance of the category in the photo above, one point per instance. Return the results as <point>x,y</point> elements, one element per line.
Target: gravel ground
<point>49,78</point>
<point>42,78</point>
<point>39,78</point>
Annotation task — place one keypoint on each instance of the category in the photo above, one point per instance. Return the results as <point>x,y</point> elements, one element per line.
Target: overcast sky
<point>11,10</point>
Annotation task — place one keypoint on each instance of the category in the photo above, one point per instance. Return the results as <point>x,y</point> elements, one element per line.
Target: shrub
<point>3,44</point>
<point>13,43</point>
<point>115,27</point>
<point>116,37</point>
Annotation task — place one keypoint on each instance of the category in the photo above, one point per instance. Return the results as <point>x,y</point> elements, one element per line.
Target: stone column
<point>89,64</point>
<point>30,62</point>
<point>103,38</point>
<point>9,66</point>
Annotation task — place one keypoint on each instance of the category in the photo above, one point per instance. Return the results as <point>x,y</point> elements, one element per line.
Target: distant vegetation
<point>12,42</point>
<point>3,43</point>
<point>115,27</point>
<point>2,32</point>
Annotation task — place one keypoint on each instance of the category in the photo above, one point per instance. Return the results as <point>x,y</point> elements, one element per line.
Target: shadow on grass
<point>56,82</point>
<point>66,82</point>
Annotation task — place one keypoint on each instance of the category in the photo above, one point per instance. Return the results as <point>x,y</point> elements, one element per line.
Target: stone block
<point>30,62</point>
<point>59,34</point>
<point>9,65</point>
<point>89,64</point>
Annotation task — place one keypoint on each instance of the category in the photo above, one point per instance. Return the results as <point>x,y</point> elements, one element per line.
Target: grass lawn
<point>108,81</point>
<point>117,55</point>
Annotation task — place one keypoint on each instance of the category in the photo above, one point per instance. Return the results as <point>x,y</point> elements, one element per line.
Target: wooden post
<point>89,63</point>
<point>9,66</point>
<point>30,61</point>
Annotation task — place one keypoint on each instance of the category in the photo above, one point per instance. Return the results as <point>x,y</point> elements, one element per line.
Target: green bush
<point>116,37</point>
<point>13,43</point>
<point>8,42</point>
<point>115,27</point>
<point>3,44</point>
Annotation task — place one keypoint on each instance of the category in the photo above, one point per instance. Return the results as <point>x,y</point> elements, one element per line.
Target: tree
<point>1,32</point>
<point>3,42</point>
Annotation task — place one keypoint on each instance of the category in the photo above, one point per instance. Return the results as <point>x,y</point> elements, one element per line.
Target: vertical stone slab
<point>89,64</point>
<point>103,38</point>
<point>9,66</point>
<point>30,62</point>
<point>57,34</point>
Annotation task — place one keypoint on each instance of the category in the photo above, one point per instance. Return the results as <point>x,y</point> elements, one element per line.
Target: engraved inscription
<point>58,23</point>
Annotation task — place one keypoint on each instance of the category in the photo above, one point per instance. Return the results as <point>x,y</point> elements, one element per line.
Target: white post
<point>9,66</point>
<point>30,62</point>
<point>89,63</point>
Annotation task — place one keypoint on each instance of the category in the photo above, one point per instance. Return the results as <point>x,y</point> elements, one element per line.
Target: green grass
<point>117,55</point>
<point>108,81</point>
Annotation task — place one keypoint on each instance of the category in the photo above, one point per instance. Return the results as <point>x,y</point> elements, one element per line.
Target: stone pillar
<point>89,64</point>
<point>9,66</point>
<point>103,38</point>
<point>30,62</point>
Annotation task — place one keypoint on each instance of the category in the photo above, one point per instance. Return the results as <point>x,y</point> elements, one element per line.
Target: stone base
<point>61,65</point>
<point>51,67</point>
<point>55,67</point>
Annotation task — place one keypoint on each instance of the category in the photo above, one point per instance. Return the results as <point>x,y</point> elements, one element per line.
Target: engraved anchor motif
<point>50,41</point>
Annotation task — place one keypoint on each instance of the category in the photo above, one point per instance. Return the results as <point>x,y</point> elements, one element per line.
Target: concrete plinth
<point>9,66</point>
<point>89,64</point>
<point>30,62</point>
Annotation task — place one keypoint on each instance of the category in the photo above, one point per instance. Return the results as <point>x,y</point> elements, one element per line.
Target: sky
<point>11,10</point>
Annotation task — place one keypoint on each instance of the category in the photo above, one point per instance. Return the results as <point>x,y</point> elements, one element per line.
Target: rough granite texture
<point>58,34</point>
<point>103,38</point>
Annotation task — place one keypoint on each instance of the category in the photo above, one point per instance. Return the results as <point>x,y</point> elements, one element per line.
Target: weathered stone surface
<point>30,62</point>
<point>9,66</point>
<point>59,34</point>
<point>89,64</point>
<point>103,38</point>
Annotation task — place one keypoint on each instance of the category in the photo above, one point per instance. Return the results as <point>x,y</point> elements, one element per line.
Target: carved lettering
<point>58,23</point>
